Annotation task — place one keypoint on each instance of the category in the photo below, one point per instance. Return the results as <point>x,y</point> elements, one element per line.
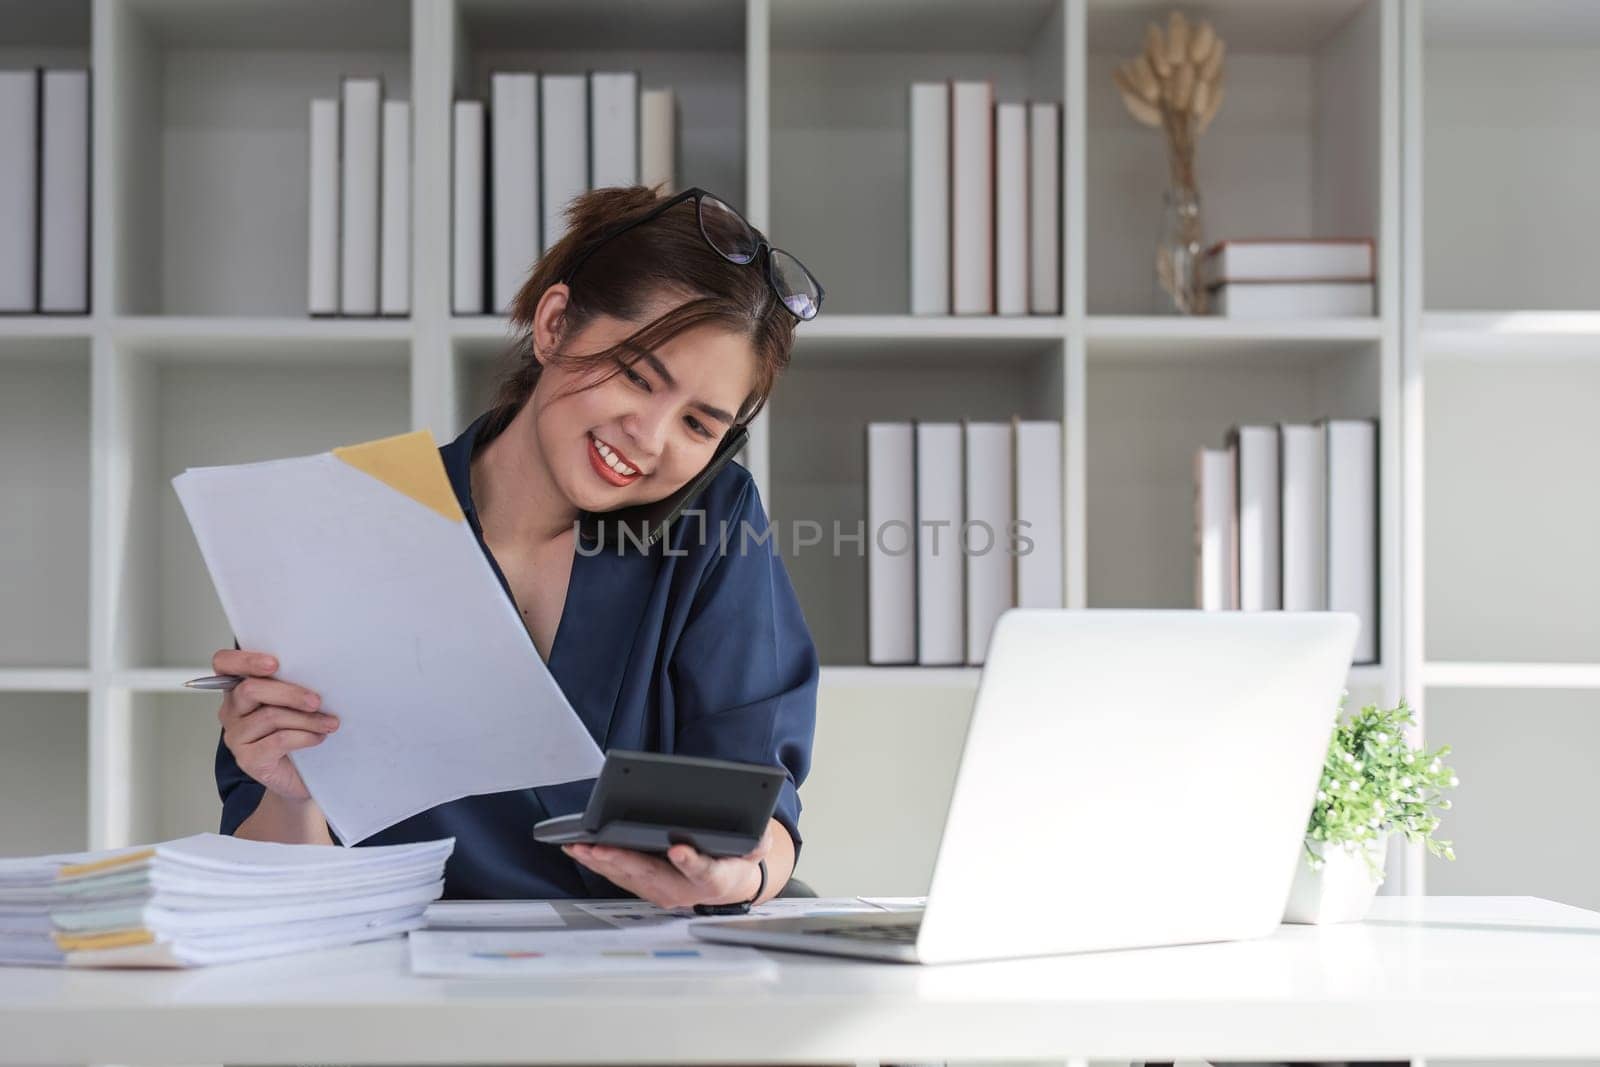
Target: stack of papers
<point>211,899</point>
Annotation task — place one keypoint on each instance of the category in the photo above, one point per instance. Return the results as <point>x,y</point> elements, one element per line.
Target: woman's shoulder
<point>727,512</point>
<point>731,494</point>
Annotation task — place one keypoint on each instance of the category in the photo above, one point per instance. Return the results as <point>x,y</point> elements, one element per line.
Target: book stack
<point>964,520</point>
<point>1286,517</point>
<point>1291,278</point>
<point>985,202</point>
<point>541,140</point>
<point>211,899</point>
<point>360,199</point>
<point>44,192</point>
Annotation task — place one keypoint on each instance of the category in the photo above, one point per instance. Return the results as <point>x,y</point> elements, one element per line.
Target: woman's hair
<point>665,258</point>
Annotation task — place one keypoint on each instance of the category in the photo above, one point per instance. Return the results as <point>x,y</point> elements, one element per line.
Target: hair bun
<point>590,213</point>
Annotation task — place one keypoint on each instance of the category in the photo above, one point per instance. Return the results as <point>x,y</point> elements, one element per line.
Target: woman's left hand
<point>685,878</point>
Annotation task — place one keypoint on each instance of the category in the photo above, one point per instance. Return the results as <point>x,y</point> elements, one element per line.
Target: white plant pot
<point>1341,891</point>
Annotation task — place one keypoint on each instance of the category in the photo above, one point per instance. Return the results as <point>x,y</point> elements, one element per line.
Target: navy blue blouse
<point>695,646</point>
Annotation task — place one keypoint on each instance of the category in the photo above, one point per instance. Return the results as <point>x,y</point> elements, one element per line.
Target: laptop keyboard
<point>902,933</point>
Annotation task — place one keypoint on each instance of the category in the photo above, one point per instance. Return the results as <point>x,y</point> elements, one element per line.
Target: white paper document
<point>493,915</point>
<point>577,954</point>
<point>896,903</point>
<point>640,914</point>
<point>357,569</point>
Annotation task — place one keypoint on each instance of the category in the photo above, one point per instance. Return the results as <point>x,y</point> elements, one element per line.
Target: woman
<point>653,329</point>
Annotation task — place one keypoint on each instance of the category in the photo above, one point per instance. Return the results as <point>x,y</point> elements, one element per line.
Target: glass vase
<point>1179,289</point>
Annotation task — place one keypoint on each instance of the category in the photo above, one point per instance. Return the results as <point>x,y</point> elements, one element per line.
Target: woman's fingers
<point>721,881</point>
<point>286,741</point>
<point>644,876</point>
<point>691,863</point>
<point>254,692</point>
<point>269,719</point>
<point>687,877</point>
<point>243,662</point>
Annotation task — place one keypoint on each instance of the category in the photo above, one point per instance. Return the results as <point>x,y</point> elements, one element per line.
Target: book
<point>1290,260</point>
<point>658,140</point>
<point>64,193</point>
<point>1352,517</point>
<point>1287,300</point>
<point>891,544</point>
<point>972,198</point>
<point>1011,209</point>
<point>359,192</point>
<point>394,283</point>
<point>987,509</point>
<point>930,198</point>
<point>19,190</point>
<point>1036,463</point>
<point>467,222</point>
<point>1214,515</point>
<point>514,182</point>
<point>563,149</point>
<point>613,128</point>
<point>1044,208</point>
<point>941,615</point>
<point>322,268</point>
<point>1254,450</point>
<point>1303,470</point>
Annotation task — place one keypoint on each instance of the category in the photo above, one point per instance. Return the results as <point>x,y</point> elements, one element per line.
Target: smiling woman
<point>653,330</point>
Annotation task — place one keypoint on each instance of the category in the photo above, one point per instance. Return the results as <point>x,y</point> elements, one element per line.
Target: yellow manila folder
<point>358,570</point>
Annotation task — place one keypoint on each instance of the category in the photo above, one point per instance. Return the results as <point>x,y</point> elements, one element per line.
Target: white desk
<point>1444,977</point>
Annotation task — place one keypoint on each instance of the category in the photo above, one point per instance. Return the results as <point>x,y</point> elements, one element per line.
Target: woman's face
<point>641,435</point>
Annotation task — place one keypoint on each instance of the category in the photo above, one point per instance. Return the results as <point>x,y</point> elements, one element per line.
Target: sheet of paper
<point>896,903</point>
<point>357,569</point>
<point>175,922</point>
<point>199,952</point>
<point>628,914</point>
<point>493,915</point>
<point>573,954</point>
<point>639,914</point>
<point>217,856</point>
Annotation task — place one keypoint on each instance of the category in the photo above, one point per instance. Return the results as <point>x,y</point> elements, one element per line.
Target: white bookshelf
<point>198,350</point>
<point>1501,375</point>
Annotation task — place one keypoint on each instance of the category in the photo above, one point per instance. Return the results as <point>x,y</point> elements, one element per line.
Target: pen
<point>215,681</point>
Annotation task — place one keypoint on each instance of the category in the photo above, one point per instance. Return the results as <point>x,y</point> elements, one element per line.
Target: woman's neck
<point>514,489</point>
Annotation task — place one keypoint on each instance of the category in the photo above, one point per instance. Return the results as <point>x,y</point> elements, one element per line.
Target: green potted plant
<point>1374,784</point>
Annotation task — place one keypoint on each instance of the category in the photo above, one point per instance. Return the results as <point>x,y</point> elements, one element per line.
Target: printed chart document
<point>645,941</point>
<point>641,914</point>
<point>493,915</point>
<point>578,953</point>
<point>358,570</point>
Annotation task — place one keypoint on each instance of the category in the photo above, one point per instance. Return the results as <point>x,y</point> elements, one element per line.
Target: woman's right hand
<point>263,720</point>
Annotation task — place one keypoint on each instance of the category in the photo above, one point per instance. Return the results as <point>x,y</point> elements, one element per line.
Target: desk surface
<point>1444,976</point>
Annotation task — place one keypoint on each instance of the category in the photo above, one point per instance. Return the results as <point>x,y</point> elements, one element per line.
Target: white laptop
<point>1129,778</point>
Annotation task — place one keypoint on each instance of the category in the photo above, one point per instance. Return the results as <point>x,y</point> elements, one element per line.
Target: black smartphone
<point>648,523</point>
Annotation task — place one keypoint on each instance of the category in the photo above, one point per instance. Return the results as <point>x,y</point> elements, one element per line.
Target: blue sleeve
<point>240,793</point>
<point>745,669</point>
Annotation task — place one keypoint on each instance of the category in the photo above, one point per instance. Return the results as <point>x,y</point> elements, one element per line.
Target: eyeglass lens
<point>794,284</point>
<point>729,234</point>
<point>733,238</point>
